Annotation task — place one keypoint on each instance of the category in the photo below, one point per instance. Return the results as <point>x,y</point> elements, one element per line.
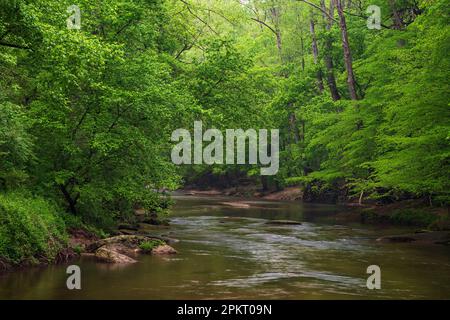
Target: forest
<point>88,105</point>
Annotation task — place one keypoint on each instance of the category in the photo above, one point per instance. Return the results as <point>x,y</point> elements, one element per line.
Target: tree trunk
<point>70,201</point>
<point>264,183</point>
<point>279,45</point>
<point>347,52</point>
<point>303,54</point>
<point>303,131</point>
<point>276,21</point>
<point>331,80</point>
<point>293,127</point>
<point>302,47</point>
<point>315,51</point>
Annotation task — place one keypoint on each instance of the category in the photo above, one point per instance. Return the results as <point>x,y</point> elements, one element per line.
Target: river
<point>228,252</point>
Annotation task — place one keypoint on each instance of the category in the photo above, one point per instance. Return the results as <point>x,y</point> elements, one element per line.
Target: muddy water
<point>229,251</point>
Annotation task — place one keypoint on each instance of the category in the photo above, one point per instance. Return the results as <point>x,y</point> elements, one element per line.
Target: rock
<point>163,250</point>
<point>140,212</point>
<point>237,219</point>
<point>396,239</point>
<point>128,227</point>
<point>105,254</point>
<point>130,251</point>
<point>232,219</point>
<point>427,237</point>
<point>202,192</point>
<point>81,238</point>
<point>129,241</point>
<point>237,204</point>
<point>122,249</point>
<point>126,232</point>
<point>284,222</point>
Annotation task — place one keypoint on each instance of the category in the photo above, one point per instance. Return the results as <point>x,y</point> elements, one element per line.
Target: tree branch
<point>198,18</point>
<point>319,8</point>
<point>265,24</point>
<point>11,45</point>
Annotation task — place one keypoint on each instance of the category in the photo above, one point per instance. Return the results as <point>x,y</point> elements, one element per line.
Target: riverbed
<point>229,251</point>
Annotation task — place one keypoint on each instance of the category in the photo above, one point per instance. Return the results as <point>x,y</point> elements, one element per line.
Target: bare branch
<point>265,24</point>
<point>318,8</point>
<point>198,18</point>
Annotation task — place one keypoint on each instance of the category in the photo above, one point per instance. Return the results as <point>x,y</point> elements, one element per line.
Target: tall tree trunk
<point>279,45</point>
<point>315,51</point>
<point>275,12</point>
<point>347,52</point>
<point>302,46</point>
<point>293,127</point>
<point>303,51</point>
<point>331,80</point>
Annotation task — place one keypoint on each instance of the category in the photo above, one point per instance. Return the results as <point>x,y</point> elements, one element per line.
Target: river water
<point>229,252</point>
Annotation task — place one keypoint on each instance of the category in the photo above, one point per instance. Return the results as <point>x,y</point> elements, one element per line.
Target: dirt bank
<point>288,194</point>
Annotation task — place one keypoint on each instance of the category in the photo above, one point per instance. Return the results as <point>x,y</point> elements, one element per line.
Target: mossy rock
<point>109,255</point>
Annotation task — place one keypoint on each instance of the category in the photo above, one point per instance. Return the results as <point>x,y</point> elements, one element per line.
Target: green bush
<point>148,246</point>
<point>30,229</point>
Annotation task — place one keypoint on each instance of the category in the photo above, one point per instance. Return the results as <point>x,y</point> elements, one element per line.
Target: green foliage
<point>415,217</point>
<point>148,246</point>
<point>15,146</point>
<point>76,222</point>
<point>78,249</point>
<point>394,142</point>
<point>30,229</point>
<point>100,107</point>
<point>419,217</point>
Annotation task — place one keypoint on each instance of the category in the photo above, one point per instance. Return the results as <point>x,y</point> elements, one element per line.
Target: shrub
<point>30,229</point>
<point>148,246</point>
